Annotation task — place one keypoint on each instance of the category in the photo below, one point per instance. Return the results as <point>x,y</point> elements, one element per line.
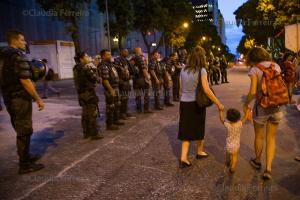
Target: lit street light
<point>185,25</point>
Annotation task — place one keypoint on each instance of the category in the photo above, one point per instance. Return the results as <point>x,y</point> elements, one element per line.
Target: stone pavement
<point>140,161</point>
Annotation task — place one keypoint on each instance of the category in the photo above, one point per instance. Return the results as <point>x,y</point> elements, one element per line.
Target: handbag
<point>201,98</point>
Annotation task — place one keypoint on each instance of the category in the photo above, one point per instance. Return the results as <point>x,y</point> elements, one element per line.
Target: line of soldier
<point>116,77</point>
<point>217,70</point>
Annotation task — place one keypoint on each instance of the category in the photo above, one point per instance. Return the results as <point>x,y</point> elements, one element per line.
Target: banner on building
<point>292,37</point>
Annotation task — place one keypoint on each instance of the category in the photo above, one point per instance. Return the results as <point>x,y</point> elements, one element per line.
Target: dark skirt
<point>191,122</point>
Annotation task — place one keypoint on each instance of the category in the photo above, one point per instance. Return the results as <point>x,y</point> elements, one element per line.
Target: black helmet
<point>38,69</point>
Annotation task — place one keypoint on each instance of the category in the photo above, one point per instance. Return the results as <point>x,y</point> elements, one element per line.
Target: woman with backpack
<point>263,118</point>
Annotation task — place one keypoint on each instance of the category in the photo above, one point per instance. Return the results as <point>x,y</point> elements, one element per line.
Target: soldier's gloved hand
<point>40,104</point>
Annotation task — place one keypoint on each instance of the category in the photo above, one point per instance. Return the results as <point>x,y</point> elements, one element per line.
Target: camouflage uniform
<point>123,67</point>
<point>17,100</point>
<point>140,85</point>
<point>85,78</point>
<point>109,72</point>
<point>223,71</point>
<point>175,79</point>
<point>159,70</point>
<point>171,69</point>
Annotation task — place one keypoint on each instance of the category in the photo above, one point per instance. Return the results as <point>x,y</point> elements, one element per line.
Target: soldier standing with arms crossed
<point>18,92</point>
<point>86,78</point>
<point>110,82</point>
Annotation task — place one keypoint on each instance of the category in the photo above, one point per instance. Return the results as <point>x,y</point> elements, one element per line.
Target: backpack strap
<point>262,67</point>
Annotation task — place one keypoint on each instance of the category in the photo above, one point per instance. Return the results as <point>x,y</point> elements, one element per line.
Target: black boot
<point>157,103</point>
<point>27,164</point>
<point>138,101</point>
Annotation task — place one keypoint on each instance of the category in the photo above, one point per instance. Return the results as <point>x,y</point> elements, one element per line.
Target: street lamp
<point>219,49</point>
<point>185,25</point>
<point>116,39</point>
<point>203,38</point>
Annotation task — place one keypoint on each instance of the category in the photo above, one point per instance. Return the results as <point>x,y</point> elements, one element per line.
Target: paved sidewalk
<point>140,161</point>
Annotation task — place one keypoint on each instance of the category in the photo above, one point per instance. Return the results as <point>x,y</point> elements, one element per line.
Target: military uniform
<point>171,69</point>
<point>159,70</point>
<point>123,67</point>
<point>85,78</point>
<point>224,71</point>
<point>175,79</point>
<point>109,73</point>
<point>17,100</point>
<point>140,84</point>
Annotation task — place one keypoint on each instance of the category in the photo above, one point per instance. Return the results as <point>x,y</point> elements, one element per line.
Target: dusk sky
<point>233,33</point>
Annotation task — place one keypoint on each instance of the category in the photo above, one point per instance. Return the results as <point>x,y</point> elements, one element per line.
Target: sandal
<point>256,165</point>
<point>183,164</point>
<point>267,175</point>
<point>199,156</point>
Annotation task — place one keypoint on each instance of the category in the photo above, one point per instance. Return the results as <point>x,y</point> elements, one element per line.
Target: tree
<point>121,17</point>
<point>68,11</point>
<point>262,19</point>
<point>281,11</point>
<point>164,16</point>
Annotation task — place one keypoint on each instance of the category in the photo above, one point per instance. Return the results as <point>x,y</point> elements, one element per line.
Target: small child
<point>233,124</point>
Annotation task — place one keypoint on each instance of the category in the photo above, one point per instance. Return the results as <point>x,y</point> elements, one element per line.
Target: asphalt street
<point>140,161</point>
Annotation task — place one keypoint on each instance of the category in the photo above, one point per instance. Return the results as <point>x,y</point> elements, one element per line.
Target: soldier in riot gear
<point>223,67</point>
<point>86,78</point>
<point>157,72</point>
<point>141,81</point>
<point>170,69</point>
<point>175,78</point>
<point>110,82</point>
<point>123,68</point>
<point>18,92</point>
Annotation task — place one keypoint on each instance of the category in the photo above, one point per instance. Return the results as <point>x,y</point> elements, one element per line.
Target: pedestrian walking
<point>18,92</point>
<point>192,117</point>
<point>48,79</point>
<point>233,124</point>
<point>263,118</point>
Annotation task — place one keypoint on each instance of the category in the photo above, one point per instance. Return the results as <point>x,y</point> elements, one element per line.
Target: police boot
<point>123,109</point>
<point>157,103</point>
<point>110,118</point>
<point>146,105</point>
<point>117,115</point>
<point>27,164</point>
<point>168,101</point>
<point>138,101</point>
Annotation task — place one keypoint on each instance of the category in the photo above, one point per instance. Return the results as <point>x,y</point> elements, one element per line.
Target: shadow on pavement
<point>172,131</point>
<point>291,183</point>
<point>43,139</point>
